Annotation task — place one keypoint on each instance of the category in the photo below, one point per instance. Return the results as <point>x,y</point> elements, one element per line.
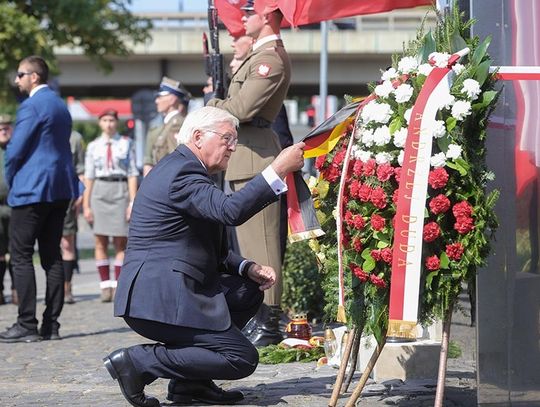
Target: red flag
<point>301,12</point>
<point>229,12</point>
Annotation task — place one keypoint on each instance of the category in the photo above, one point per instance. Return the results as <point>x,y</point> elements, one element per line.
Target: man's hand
<point>289,160</point>
<point>265,276</point>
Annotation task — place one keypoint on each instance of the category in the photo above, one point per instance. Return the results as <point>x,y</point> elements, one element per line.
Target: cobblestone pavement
<point>70,372</point>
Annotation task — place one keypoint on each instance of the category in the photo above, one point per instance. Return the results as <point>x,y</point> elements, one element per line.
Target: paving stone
<point>70,372</point>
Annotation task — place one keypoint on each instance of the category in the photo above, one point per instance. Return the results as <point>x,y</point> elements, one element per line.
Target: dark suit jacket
<point>177,246</point>
<point>39,166</point>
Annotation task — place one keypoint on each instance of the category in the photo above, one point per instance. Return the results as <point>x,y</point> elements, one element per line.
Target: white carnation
<point>389,74</point>
<point>439,129</point>
<point>400,137</point>
<point>383,158</point>
<point>400,157</point>
<point>458,68</point>
<point>403,93</point>
<point>377,112</point>
<point>438,160</point>
<point>407,114</point>
<point>407,64</point>
<point>446,101</point>
<point>461,109</point>
<point>382,136</point>
<point>440,59</point>
<point>454,151</point>
<point>471,88</point>
<point>425,69</point>
<point>384,89</point>
<point>362,155</point>
<point>367,137</point>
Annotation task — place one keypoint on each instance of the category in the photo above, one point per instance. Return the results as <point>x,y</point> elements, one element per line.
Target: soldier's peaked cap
<point>248,6</point>
<point>170,86</point>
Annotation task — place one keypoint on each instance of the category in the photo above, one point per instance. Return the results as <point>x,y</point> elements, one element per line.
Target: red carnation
<point>378,281</point>
<point>358,272</point>
<point>464,225</point>
<point>331,173</point>
<point>439,204</point>
<point>339,157</point>
<point>369,167</point>
<point>431,231</point>
<point>395,196</point>
<point>384,172</point>
<point>397,173</point>
<point>358,222</point>
<point>378,222</point>
<point>357,244</point>
<point>378,198</point>
<point>376,254</point>
<point>319,162</point>
<point>364,193</point>
<point>354,188</point>
<point>454,251</point>
<point>348,218</point>
<point>462,209</point>
<point>357,168</point>
<point>386,255</point>
<point>433,263</point>
<point>438,178</point>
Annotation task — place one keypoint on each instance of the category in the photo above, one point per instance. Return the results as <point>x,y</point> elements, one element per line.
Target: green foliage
<point>459,247</point>
<point>98,28</point>
<point>454,350</point>
<point>274,354</point>
<point>302,281</point>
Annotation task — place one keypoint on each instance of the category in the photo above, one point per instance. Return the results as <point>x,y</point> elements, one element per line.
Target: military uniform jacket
<point>255,95</point>
<point>177,245</point>
<point>161,140</point>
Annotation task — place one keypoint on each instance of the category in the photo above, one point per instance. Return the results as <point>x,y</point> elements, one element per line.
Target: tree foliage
<point>95,28</point>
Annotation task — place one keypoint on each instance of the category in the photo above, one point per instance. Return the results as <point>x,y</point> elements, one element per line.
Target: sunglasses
<point>21,74</point>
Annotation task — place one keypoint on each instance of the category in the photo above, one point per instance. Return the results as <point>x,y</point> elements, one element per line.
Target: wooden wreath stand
<point>350,357</point>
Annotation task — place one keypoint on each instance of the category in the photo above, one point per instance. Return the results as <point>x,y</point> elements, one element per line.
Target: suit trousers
<point>42,222</point>
<point>184,353</point>
<point>259,240</point>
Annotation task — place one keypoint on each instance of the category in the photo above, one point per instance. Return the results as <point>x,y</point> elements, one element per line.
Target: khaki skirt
<point>109,202</point>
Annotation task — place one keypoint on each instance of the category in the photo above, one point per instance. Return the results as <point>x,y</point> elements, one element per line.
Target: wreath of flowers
<point>459,214</point>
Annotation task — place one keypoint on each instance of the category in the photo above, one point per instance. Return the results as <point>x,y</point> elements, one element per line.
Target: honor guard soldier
<point>172,102</point>
<point>255,96</point>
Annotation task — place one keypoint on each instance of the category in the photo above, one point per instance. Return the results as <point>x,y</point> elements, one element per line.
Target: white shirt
<point>123,158</point>
<point>264,40</point>
<point>33,91</point>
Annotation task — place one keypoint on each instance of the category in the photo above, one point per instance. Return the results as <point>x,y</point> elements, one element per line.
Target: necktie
<point>109,156</point>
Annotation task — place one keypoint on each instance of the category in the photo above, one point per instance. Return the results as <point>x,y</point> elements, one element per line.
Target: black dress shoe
<point>18,333</point>
<point>204,391</point>
<point>121,368</point>
<point>50,332</point>
<point>263,328</point>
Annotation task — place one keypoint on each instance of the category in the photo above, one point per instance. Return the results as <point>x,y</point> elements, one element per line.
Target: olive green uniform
<point>161,140</point>
<point>255,96</point>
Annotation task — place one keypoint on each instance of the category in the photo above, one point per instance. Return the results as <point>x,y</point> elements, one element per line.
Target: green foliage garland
<point>459,216</point>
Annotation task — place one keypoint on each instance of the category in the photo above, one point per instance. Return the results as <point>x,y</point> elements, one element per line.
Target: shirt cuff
<point>276,183</point>
<point>244,266</point>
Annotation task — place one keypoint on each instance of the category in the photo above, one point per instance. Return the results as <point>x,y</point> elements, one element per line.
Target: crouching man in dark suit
<point>180,286</point>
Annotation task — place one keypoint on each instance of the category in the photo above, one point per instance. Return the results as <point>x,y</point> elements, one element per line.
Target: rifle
<point>214,61</point>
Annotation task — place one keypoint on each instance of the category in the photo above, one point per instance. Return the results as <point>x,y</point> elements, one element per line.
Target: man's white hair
<point>205,118</point>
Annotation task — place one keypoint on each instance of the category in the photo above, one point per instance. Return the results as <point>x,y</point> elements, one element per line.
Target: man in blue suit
<point>180,286</point>
<point>41,179</point>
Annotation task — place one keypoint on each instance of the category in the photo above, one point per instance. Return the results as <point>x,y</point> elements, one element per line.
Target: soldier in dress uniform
<point>255,96</point>
<point>172,102</point>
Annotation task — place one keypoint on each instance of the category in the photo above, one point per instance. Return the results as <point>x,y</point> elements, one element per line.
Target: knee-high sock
<point>69,266</point>
<point>117,269</point>
<point>103,269</point>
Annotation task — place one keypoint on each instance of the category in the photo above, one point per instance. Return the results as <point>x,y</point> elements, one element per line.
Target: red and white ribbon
<point>409,219</point>
<point>516,73</point>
